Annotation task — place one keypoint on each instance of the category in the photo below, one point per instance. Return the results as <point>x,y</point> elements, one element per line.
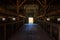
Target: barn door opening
<point>30,20</point>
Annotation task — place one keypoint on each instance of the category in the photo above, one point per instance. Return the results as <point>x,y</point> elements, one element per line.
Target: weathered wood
<point>5,11</point>
<point>5,32</point>
<point>51,25</point>
<point>40,3</point>
<point>59,32</point>
<point>22,3</point>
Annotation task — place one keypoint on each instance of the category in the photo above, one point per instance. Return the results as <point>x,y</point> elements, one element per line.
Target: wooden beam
<point>40,3</point>
<point>5,32</point>
<point>40,16</point>
<point>7,12</point>
<point>21,16</point>
<point>17,7</point>
<point>49,14</point>
<point>22,3</point>
<point>53,13</point>
<point>4,11</point>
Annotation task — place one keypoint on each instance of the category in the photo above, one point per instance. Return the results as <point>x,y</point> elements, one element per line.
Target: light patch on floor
<point>29,27</point>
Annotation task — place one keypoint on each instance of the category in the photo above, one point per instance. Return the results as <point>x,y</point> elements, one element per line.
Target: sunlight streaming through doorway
<point>30,20</point>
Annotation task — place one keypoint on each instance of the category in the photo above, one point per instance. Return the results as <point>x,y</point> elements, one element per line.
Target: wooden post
<point>59,32</point>
<point>12,28</point>
<point>51,25</point>
<point>5,32</point>
<point>17,13</point>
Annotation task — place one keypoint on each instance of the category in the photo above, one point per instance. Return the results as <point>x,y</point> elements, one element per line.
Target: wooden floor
<point>30,32</point>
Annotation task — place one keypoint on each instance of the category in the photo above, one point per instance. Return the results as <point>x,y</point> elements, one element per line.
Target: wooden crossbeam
<point>40,16</point>
<point>4,11</point>
<point>53,13</point>
<point>22,16</point>
<point>40,3</point>
<point>7,12</point>
<point>22,3</point>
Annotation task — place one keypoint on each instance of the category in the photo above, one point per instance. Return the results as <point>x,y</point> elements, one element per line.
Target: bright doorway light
<point>30,20</point>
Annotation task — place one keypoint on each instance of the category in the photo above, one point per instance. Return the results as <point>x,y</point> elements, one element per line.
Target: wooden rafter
<point>7,12</point>
<point>40,3</point>
<point>40,16</point>
<point>53,13</point>
<point>22,3</point>
<point>4,11</point>
<point>17,7</point>
<point>21,16</point>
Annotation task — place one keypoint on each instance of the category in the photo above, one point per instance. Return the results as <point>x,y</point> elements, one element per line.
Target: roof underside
<point>7,6</point>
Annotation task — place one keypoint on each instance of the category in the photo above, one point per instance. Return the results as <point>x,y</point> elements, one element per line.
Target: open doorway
<point>30,20</point>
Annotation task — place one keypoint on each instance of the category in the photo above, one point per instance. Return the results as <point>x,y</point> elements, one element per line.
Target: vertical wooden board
<point>1,32</point>
<point>4,31</point>
<point>59,32</point>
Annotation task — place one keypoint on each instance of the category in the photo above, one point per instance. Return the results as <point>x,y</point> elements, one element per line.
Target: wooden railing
<point>8,29</point>
<point>52,29</point>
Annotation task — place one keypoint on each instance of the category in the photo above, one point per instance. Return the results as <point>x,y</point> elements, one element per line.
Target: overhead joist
<point>7,12</point>
<point>22,3</point>
<point>50,13</point>
<point>53,13</point>
<point>40,3</point>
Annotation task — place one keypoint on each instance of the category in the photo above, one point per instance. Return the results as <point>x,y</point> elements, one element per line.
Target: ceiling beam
<point>22,3</point>
<point>53,13</point>
<point>50,13</point>
<point>40,3</point>
<point>7,12</point>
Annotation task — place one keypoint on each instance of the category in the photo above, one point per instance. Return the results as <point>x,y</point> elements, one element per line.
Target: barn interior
<point>29,19</point>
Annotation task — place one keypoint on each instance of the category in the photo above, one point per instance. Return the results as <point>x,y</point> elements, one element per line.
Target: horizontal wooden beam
<point>50,13</point>
<point>7,12</point>
<point>53,13</point>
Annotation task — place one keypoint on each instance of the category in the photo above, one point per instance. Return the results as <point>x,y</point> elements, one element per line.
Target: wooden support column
<point>45,9</point>
<point>5,32</point>
<point>12,28</point>
<point>51,27</point>
<point>59,32</point>
<point>17,13</point>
